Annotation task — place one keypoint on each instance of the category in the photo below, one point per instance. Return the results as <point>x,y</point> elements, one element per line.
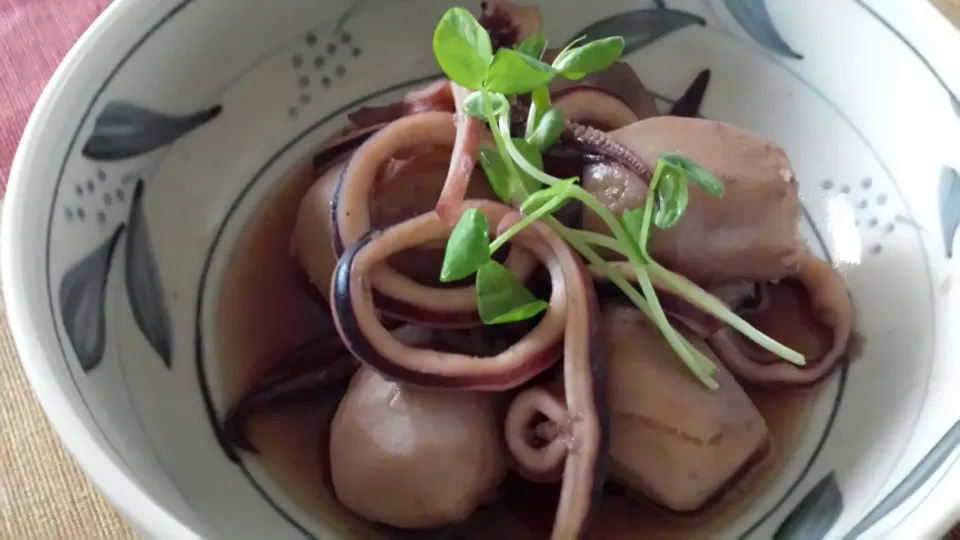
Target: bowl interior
<point>186,147</point>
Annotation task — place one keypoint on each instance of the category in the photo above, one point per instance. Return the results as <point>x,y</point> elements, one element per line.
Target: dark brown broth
<point>265,311</point>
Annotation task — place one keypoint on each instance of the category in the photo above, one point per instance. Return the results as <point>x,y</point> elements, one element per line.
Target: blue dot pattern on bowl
<point>317,66</point>
<point>872,217</point>
<point>122,130</point>
<point>97,195</point>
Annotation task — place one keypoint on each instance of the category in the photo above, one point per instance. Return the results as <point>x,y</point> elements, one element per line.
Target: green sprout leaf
<point>462,48</point>
<point>513,72</point>
<point>533,157</point>
<point>697,174</point>
<point>502,298</point>
<point>672,197</point>
<point>589,58</point>
<point>633,222</point>
<point>534,46</point>
<point>468,247</point>
<point>566,50</point>
<point>515,171</point>
<point>548,130</point>
<point>497,173</point>
<point>541,98</point>
<point>475,107</point>
<point>539,104</point>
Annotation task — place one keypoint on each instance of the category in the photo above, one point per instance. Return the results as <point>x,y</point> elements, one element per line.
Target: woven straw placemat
<point>43,495</point>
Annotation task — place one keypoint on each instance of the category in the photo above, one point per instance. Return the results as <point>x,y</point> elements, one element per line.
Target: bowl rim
<point>138,509</point>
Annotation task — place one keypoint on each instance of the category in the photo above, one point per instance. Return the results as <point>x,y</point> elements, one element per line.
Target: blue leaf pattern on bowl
<point>917,476</point>
<point>124,130</point>
<point>81,298</point>
<point>949,207</point>
<point>753,17</point>
<point>816,514</point>
<point>641,27</point>
<point>144,288</point>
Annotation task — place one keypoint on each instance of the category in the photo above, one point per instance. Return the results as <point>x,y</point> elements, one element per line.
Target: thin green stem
<point>697,362</point>
<point>637,260</point>
<point>602,240</point>
<point>700,365</point>
<point>709,303</point>
<point>539,105</point>
<point>532,121</point>
<point>516,186</point>
<point>690,356</point>
<point>648,211</point>
<point>499,241</point>
<point>571,236</point>
<point>517,157</point>
<point>691,292</point>
<point>611,221</point>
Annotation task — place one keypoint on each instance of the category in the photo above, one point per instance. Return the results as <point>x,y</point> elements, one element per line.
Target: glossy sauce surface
<point>267,307</point>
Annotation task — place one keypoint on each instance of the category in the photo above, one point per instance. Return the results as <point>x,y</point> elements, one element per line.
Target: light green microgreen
<point>497,174</point>
<point>513,72</point>
<point>515,171</point>
<point>534,45</point>
<point>548,130</point>
<point>462,48</point>
<point>502,298</point>
<point>575,63</point>
<point>475,106</point>
<point>467,248</point>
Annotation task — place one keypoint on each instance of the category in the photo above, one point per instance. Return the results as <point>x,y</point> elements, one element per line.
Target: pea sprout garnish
<point>515,171</point>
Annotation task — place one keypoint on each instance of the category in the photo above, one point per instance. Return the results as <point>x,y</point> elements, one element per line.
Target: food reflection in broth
<point>259,324</point>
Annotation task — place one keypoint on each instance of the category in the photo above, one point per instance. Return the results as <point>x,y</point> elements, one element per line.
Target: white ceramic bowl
<point>171,121</point>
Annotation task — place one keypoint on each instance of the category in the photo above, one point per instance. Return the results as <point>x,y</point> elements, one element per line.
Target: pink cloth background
<point>34,37</point>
